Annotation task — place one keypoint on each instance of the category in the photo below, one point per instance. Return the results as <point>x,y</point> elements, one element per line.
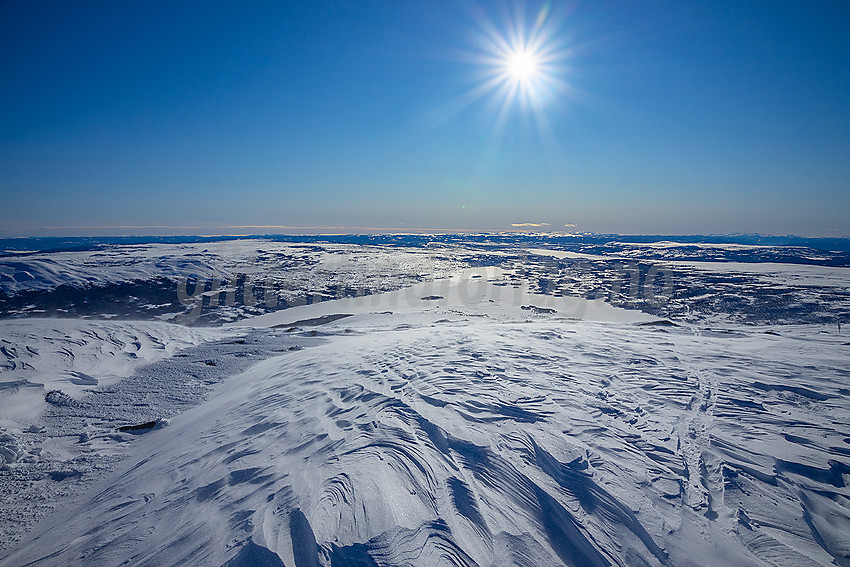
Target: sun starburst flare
<point>520,66</point>
<point>521,60</point>
<point>524,63</point>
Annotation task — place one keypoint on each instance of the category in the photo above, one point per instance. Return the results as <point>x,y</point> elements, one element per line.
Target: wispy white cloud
<point>529,224</point>
<point>570,225</point>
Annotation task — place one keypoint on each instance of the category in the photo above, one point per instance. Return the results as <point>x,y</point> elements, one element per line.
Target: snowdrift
<point>451,426</point>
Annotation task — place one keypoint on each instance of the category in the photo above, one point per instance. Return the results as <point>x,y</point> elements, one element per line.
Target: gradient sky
<point>202,117</point>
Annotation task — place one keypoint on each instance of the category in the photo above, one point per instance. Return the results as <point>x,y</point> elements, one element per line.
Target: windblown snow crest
<point>450,438</point>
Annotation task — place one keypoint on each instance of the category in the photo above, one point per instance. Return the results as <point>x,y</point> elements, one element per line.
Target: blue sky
<point>643,117</point>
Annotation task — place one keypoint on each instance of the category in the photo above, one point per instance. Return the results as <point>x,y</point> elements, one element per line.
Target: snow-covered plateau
<point>451,402</point>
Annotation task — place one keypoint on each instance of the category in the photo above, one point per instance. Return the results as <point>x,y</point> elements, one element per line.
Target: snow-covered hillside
<point>204,283</point>
<point>460,422</point>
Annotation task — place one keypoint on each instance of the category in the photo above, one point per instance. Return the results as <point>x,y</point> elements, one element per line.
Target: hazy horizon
<point>267,230</point>
<point>270,231</point>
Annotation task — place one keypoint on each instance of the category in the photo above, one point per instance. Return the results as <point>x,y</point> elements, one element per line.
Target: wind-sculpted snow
<point>448,436</point>
<point>62,397</point>
<point>495,418</point>
<point>61,353</point>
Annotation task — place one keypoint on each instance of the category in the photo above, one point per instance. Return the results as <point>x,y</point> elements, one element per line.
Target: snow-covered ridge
<point>201,261</point>
<point>98,268</point>
<point>454,403</point>
<point>174,281</point>
<point>468,423</point>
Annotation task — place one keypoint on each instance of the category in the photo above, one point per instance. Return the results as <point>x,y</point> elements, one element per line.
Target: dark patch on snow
<point>208,491</point>
<point>59,476</point>
<point>356,555</point>
<point>315,321</point>
<point>253,555</point>
<point>59,398</point>
<point>800,391</point>
<point>260,427</point>
<point>304,547</point>
<point>659,323</point>
<point>834,475</point>
<point>538,310</point>
<point>465,503</point>
<point>139,428</point>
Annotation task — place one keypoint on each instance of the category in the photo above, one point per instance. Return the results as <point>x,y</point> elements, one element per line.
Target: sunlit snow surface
<point>459,421</point>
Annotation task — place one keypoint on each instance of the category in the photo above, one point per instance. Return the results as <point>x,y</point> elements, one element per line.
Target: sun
<point>521,69</point>
<point>523,59</point>
<point>522,65</point>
